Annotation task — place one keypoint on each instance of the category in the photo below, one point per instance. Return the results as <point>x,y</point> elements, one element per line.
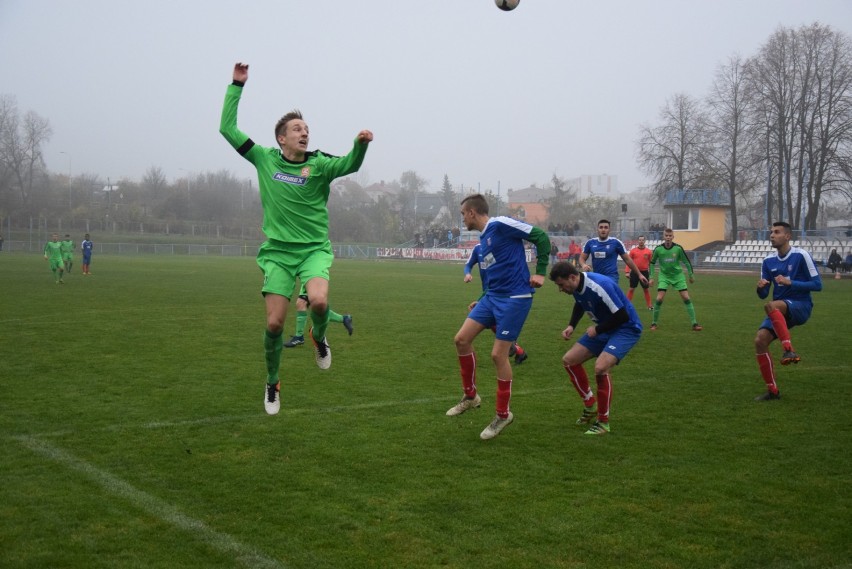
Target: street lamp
<point>68,154</point>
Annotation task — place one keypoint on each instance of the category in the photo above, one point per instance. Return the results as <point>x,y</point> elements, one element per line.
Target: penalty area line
<point>160,509</point>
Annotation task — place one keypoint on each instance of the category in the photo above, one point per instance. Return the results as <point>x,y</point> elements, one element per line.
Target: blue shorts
<point>798,313</point>
<point>618,342</point>
<point>508,314</point>
<point>87,258</point>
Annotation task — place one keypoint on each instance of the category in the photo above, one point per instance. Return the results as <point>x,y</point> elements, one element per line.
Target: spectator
<point>847,263</point>
<point>554,251</point>
<point>835,263</point>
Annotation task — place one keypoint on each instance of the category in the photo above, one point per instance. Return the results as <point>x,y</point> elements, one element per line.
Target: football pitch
<point>134,435</point>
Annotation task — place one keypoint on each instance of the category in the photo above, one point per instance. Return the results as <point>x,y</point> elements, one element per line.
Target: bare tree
<point>731,142</point>
<point>21,159</point>
<point>672,153</point>
<point>803,87</point>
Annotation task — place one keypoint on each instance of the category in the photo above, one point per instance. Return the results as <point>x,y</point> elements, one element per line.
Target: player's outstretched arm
<point>241,72</point>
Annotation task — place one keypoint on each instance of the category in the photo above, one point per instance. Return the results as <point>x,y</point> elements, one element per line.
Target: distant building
<point>595,185</point>
<point>530,204</point>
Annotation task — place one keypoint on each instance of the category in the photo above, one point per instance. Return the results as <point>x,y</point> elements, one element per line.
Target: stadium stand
<point>751,253</point>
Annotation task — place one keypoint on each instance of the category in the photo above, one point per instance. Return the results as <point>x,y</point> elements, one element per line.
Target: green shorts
<point>67,256</point>
<point>282,263</point>
<point>677,282</point>
<point>56,264</point>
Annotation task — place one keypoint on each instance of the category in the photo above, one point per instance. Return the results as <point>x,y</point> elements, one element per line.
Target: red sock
<point>504,393</point>
<point>604,396</point>
<point>781,330</point>
<point>647,297</point>
<point>468,374</point>
<point>580,381</point>
<point>630,293</point>
<point>764,362</point>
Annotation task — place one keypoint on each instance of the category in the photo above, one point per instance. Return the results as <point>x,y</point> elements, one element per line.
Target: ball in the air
<point>507,5</point>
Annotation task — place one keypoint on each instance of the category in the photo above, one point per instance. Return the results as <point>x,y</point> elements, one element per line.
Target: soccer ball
<point>507,5</point>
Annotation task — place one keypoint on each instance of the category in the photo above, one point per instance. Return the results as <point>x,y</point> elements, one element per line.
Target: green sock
<point>301,319</point>
<point>272,344</point>
<point>334,316</point>
<point>657,307</point>
<point>690,309</point>
<point>320,324</point>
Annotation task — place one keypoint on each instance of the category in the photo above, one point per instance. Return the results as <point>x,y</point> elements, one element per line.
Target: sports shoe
<point>463,405</point>
<point>513,350</point>
<point>347,323</point>
<point>496,426</point>
<point>598,429</point>
<point>787,358</point>
<point>294,341</point>
<point>650,308</point>
<point>272,400</point>
<point>322,351</point>
<point>653,326</point>
<point>697,327</point>
<point>768,396</point>
<point>521,358</point>
<point>589,414</point>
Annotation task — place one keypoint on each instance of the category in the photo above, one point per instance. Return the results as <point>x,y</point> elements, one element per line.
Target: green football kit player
<point>294,186</point>
<point>53,253</point>
<point>67,248</point>
<point>671,256</point>
<point>302,319</point>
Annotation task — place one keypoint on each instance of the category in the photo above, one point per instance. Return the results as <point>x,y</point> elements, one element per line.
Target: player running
<point>792,274</point>
<point>67,248</point>
<point>604,252</point>
<point>294,186</point>
<point>506,304</point>
<point>671,256</point>
<point>615,331</point>
<point>302,304</point>
<point>53,253</point>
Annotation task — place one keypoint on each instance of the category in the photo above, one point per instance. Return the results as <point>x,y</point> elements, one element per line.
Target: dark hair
<point>477,203</point>
<point>605,221</point>
<point>785,225</point>
<point>563,270</point>
<point>281,125</point>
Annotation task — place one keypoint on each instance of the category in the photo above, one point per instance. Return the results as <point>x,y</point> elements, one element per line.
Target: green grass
<point>133,431</point>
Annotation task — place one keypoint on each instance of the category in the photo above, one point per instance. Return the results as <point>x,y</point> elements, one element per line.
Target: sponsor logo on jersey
<point>306,172</point>
<point>289,178</point>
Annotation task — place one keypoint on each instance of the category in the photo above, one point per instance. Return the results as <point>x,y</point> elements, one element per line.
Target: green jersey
<point>53,250</point>
<point>294,195</point>
<point>670,261</point>
<point>67,247</point>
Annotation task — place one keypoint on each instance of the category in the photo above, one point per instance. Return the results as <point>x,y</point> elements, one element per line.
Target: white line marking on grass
<point>158,508</point>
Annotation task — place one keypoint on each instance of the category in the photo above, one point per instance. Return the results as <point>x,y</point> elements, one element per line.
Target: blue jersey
<point>604,255</point>
<point>86,246</point>
<point>600,297</point>
<point>799,267</point>
<point>502,258</point>
<point>472,261</point>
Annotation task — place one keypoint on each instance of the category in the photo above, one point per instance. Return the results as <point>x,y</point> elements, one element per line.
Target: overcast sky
<point>452,87</point>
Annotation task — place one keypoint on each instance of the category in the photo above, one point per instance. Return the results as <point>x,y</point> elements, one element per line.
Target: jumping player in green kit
<point>294,188</point>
